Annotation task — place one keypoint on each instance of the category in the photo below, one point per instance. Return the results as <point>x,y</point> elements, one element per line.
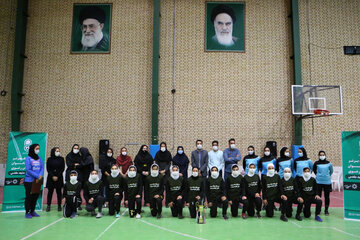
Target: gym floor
<point>52,225</point>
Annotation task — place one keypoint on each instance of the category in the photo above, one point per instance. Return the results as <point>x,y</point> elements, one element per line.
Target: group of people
<point>264,181</point>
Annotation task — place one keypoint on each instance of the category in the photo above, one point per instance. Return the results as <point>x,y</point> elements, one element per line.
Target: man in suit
<point>199,158</point>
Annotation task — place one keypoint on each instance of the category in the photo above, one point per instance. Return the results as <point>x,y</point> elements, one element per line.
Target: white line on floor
<point>49,225</point>
<point>172,231</point>
<point>333,228</point>
<point>110,226</point>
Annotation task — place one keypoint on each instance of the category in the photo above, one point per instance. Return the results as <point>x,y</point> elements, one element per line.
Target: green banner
<point>351,174</point>
<point>14,191</point>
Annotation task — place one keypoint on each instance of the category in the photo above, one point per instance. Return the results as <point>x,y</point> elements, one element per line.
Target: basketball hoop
<point>321,112</point>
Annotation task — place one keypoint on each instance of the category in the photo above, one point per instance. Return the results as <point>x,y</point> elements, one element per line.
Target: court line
<point>110,226</point>
<point>172,231</point>
<point>333,228</point>
<point>43,228</point>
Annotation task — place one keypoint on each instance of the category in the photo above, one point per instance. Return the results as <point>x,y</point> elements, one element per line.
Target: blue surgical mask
<point>180,152</point>
<point>37,152</point>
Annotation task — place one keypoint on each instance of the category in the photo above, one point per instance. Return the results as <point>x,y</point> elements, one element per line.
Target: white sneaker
<point>98,215</point>
<point>138,216</point>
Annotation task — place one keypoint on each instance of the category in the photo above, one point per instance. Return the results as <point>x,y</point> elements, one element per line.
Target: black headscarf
<point>282,155</point>
<point>86,156</point>
<point>143,158</point>
<point>72,157</point>
<point>180,159</point>
<point>163,156</point>
<point>267,158</point>
<point>32,153</point>
<point>304,157</point>
<point>251,156</point>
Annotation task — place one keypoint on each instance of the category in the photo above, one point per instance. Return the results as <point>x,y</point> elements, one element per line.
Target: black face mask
<point>144,151</point>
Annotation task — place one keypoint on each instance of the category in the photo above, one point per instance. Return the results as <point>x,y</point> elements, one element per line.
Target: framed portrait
<point>91,28</point>
<point>225,26</point>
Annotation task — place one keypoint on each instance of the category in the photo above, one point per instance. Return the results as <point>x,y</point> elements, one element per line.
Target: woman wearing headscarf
<point>182,161</point>
<point>143,161</point>
<point>105,163</point>
<point>302,162</point>
<point>163,159</point>
<point>124,161</point>
<point>87,163</point>
<point>73,162</point>
<point>55,167</point>
<point>284,161</point>
<point>250,158</point>
<point>34,171</point>
<point>265,160</point>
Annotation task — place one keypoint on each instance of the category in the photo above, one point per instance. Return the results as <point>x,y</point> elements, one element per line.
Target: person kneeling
<point>133,189</point>
<point>291,191</point>
<point>114,190</point>
<point>72,198</point>
<point>273,192</point>
<point>308,192</point>
<point>155,188</point>
<point>215,193</point>
<point>252,187</point>
<point>194,191</point>
<point>93,194</point>
<point>174,192</point>
<point>236,192</point>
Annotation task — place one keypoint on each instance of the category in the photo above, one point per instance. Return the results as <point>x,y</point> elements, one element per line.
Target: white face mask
<point>251,172</point>
<point>232,146</point>
<point>235,174</point>
<point>109,154</point>
<point>322,158</point>
<point>132,174</point>
<point>175,175</point>
<point>180,152</point>
<point>251,152</point>
<point>307,176</point>
<point>287,176</point>
<point>37,152</point>
<point>57,154</point>
<point>215,148</point>
<point>94,178</point>
<point>123,153</point>
<point>76,151</point>
<point>195,174</point>
<point>214,174</point>
<point>154,173</point>
<point>271,172</point>
<point>73,180</point>
<point>115,172</point>
<point>267,153</point>
<point>199,146</point>
<point>287,154</point>
<point>163,149</point>
<point>301,154</point>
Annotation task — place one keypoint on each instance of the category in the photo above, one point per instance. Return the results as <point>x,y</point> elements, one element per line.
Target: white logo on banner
<point>27,144</point>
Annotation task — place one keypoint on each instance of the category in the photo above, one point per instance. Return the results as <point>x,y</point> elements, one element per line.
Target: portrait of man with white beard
<point>92,32</point>
<point>222,25</point>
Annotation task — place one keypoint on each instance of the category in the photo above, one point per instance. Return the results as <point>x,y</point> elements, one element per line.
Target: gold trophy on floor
<point>200,213</point>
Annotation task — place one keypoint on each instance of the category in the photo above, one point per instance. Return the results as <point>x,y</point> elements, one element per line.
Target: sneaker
<point>326,213</point>
<point>180,216</point>
<point>48,208</point>
<point>158,216</point>
<point>98,215</point>
<point>59,209</point>
<point>283,218</point>
<point>73,215</point>
<point>225,217</point>
<point>298,217</point>
<point>93,213</point>
<point>117,215</point>
<point>258,215</point>
<point>317,218</point>
<point>34,214</point>
<point>138,216</point>
<point>244,215</point>
<point>28,215</point>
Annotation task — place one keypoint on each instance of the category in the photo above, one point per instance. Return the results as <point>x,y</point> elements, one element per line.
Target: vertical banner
<point>351,174</point>
<point>18,148</point>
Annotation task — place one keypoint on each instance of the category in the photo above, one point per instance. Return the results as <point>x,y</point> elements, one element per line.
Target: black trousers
<point>97,203</point>
<point>71,205</point>
<point>192,208</point>
<point>145,191</point>
<point>307,206</point>
<point>289,208</point>
<point>51,186</point>
<point>131,205</point>
<point>254,203</point>
<point>235,206</point>
<point>30,199</point>
<point>177,208</point>
<point>270,206</point>
<point>215,204</point>
<point>156,205</point>
<point>114,204</point>
<point>327,189</point>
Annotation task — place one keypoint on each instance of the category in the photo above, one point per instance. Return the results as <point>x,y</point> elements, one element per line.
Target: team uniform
<point>235,191</point>
<point>95,191</point>
<point>252,186</point>
<point>323,170</point>
<point>215,189</point>
<point>155,186</point>
<point>272,191</point>
<point>308,190</point>
<point>175,188</point>
<point>72,198</point>
<point>291,191</point>
<point>194,187</point>
<point>132,187</point>
<point>114,186</point>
